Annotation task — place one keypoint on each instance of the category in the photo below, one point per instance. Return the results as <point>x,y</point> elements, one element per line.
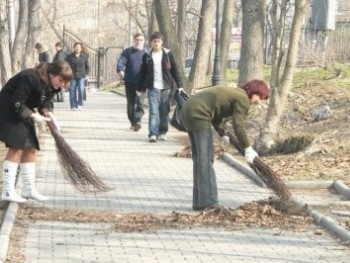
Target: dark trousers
<point>205,191</point>
<point>134,104</point>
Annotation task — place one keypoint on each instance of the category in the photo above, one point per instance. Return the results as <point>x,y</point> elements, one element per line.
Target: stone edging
<point>6,229</point>
<point>329,224</point>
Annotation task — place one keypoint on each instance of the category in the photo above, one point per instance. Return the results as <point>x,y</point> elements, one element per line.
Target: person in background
<point>43,54</point>
<point>60,55</point>
<point>25,92</point>
<point>128,68</point>
<point>158,74</point>
<point>209,108</point>
<point>80,66</point>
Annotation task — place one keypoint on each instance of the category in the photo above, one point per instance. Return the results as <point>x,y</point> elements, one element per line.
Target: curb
<point>329,224</point>
<point>243,168</point>
<point>341,189</point>
<point>6,229</point>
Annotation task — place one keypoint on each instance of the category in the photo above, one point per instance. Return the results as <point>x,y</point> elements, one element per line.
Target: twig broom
<point>77,171</point>
<point>265,173</point>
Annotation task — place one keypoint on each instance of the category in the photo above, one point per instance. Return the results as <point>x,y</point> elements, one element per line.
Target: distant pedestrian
<point>60,55</point>
<point>43,54</point>
<point>80,66</point>
<point>160,76</point>
<point>128,68</point>
<point>208,109</point>
<point>23,100</point>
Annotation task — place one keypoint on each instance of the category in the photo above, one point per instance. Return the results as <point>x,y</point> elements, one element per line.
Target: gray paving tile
<point>148,178</point>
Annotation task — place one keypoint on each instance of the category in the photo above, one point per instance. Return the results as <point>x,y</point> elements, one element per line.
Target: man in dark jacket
<point>128,68</point>
<point>60,55</point>
<point>158,74</point>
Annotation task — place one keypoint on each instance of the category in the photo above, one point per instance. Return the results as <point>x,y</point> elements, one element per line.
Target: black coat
<point>171,75</point>
<point>80,65</point>
<point>18,99</point>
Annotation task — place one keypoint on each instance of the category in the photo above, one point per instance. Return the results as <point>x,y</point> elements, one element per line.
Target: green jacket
<point>211,106</point>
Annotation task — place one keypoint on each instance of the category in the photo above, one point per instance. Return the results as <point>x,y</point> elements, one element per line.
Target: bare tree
<point>251,60</point>
<point>32,32</point>
<point>181,27</point>
<point>280,88</point>
<point>226,27</point>
<point>153,24</point>
<point>167,28</point>
<point>5,61</point>
<point>20,38</point>
<point>203,45</point>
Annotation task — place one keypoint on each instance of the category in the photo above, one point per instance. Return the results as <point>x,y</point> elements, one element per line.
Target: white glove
<point>121,75</point>
<point>181,90</point>
<point>138,93</point>
<point>39,120</point>
<point>225,139</point>
<point>250,154</point>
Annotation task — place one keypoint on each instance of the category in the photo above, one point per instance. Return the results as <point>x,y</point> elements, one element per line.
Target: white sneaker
<point>80,107</point>
<point>162,137</point>
<point>153,138</point>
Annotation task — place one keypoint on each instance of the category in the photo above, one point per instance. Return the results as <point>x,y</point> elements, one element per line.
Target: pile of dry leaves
<point>262,213</point>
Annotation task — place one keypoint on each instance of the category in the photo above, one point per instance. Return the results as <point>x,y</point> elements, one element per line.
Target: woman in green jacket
<point>209,108</point>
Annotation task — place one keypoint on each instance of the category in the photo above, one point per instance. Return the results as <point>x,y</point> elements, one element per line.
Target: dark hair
<point>77,43</point>
<point>38,46</point>
<point>157,35</point>
<point>58,44</point>
<point>57,68</point>
<point>138,35</point>
<point>257,87</point>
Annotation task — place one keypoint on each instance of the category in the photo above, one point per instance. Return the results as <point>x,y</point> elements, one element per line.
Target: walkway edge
<point>243,168</point>
<point>331,225</point>
<point>6,229</point>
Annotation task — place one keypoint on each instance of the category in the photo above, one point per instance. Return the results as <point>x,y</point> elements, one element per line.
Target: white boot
<point>8,183</point>
<point>27,172</point>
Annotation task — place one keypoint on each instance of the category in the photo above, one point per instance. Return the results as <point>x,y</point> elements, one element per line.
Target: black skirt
<point>19,135</point>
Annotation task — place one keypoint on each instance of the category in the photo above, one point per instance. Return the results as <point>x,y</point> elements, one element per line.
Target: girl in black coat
<point>23,100</point>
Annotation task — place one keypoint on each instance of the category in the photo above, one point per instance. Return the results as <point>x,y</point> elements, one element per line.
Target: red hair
<point>257,87</point>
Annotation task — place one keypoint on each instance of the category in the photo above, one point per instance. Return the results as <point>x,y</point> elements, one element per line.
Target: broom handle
<point>53,125</point>
<point>235,142</point>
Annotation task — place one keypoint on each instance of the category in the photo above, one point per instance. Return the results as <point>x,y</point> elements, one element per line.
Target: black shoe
<point>211,206</point>
<point>137,126</point>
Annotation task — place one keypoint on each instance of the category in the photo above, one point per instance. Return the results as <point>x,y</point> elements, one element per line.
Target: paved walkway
<point>147,178</point>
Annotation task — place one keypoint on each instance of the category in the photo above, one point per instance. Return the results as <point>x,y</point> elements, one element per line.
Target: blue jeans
<point>76,92</point>
<point>159,108</point>
<point>205,192</point>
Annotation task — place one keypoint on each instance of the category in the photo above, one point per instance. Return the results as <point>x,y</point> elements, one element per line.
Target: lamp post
<point>216,79</point>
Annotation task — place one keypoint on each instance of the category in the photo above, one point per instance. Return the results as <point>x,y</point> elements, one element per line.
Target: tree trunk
<point>5,60</point>
<point>20,38</point>
<point>277,28</point>
<point>280,92</point>
<point>252,56</point>
<point>203,45</point>
<point>167,28</point>
<point>225,39</point>
<point>33,33</point>
<point>153,23</point>
<point>181,27</point>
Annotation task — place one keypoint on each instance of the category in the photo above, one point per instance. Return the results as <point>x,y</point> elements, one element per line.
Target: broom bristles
<point>265,173</point>
<point>77,171</point>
